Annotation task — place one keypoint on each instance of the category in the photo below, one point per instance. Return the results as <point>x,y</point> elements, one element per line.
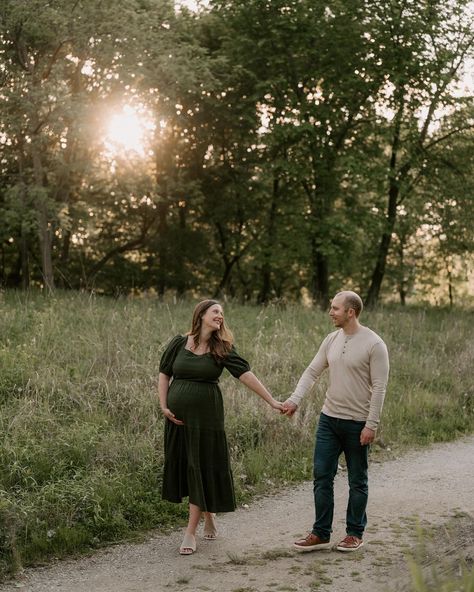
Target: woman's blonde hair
<point>221,341</point>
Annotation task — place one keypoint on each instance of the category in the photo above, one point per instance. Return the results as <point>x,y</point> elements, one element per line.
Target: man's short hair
<point>353,300</point>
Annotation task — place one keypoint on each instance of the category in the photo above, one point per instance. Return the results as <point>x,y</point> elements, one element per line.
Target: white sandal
<point>188,546</point>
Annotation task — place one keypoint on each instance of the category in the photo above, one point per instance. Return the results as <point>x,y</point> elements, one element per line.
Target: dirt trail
<point>253,553</point>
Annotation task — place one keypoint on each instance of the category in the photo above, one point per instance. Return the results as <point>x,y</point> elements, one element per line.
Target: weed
<point>235,559</point>
<point>276,554</point>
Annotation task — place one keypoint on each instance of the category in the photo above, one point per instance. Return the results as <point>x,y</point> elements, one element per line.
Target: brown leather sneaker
<point>311,543</point>
<point>350,543</point>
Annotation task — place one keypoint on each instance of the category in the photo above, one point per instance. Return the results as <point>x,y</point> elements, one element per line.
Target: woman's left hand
<point>171,416</point>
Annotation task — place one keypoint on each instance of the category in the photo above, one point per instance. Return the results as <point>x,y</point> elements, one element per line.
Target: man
<point>357,359</point>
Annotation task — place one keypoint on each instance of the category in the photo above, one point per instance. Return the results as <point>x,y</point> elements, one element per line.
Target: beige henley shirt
<point>358,373</point>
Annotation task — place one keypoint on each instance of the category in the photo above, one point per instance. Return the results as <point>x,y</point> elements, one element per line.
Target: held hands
<point>170,415</point>
<point>289,408</point>
<point>274,404</point>
<point>286,408</point>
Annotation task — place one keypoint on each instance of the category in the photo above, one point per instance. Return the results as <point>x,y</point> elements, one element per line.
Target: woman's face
<point>213,317</point>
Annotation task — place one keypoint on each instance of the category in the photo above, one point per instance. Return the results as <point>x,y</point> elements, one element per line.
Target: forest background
<point>264,150</point>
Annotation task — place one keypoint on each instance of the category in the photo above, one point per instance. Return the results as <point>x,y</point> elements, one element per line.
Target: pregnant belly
<point>198,404</point>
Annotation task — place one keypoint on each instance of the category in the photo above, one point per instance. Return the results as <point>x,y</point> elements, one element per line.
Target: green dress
<point>197,462</point>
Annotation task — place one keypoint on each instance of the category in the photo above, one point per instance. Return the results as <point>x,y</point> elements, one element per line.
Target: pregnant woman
<point>197,461</point>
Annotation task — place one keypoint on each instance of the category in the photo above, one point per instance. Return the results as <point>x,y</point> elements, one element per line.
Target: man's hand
<point>289,408</point>
<point>367,436</point>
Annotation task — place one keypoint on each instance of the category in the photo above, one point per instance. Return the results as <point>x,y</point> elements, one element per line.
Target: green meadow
<point>81,455</point>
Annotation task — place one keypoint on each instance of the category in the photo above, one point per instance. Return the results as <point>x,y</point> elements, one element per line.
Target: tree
<point>46,51</point>
<point>422,52</point>
<point>315,77</point>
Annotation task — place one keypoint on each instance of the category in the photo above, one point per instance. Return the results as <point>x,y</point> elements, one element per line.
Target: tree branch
<point>53,59</point>
<point>448,135</point>
<point>131,245</point>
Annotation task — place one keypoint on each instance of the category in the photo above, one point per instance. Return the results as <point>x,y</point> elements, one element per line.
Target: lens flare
<point>128,132</point>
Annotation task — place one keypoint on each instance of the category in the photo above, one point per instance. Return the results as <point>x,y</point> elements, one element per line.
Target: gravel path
<point>433,487</point>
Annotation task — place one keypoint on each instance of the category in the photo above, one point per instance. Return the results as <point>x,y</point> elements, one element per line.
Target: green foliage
<point>298,146</point>
<point>81,456</point>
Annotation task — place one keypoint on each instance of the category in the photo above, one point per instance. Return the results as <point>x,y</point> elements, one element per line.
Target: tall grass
<point>445,567</point>
<point>463,582</point>
<point>81,455</point>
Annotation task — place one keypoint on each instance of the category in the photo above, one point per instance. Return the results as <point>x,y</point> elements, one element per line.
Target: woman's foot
<point>188,546</point>
<point>210,530</point>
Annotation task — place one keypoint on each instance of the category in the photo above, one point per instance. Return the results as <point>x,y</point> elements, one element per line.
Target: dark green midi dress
<point>197,460</point>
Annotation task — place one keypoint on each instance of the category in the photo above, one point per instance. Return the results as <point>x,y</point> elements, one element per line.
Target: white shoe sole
<point>313,548</point>
<point>349,550</point>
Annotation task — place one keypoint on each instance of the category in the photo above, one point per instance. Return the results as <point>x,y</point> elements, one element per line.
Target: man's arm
<point>307,380</point>
<point>379,368</point>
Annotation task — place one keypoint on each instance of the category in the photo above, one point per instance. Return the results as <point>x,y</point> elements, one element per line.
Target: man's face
<point>337,312</point>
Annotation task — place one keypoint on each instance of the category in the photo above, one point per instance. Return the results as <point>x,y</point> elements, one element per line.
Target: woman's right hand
<point>170,415</point>
<point>277,406</point>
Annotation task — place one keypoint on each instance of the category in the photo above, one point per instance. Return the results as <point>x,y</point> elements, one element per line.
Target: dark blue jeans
<point>333,437</point>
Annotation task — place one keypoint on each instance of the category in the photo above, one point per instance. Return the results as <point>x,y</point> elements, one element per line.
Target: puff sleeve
<point>235,364</point>
<point>169,355</point>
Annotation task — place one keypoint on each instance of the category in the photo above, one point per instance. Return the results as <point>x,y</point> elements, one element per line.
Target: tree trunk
<point>179,258</point>
<point>450,285</point>
<point>321,199</point>
<point>401,283</point>
<point>224,285</point>
<point>65,280</point>
<point>65,184</point>
<point>319,276</point>
<point>264,295</point>
<point>65,248</point>
<point>161,280</point>
<point>165,173</point>
<point>384,246</point>
<point>24,252</point>
<point>45,227</point>
<point>13,279</point>
<point>395,179</point>
<point>24,255</point>
<point>46,243</point>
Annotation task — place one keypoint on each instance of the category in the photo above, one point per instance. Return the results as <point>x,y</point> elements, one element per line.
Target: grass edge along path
<point>81,452</point>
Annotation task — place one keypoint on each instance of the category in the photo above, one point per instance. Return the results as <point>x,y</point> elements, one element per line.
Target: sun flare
<point>129,132</point>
